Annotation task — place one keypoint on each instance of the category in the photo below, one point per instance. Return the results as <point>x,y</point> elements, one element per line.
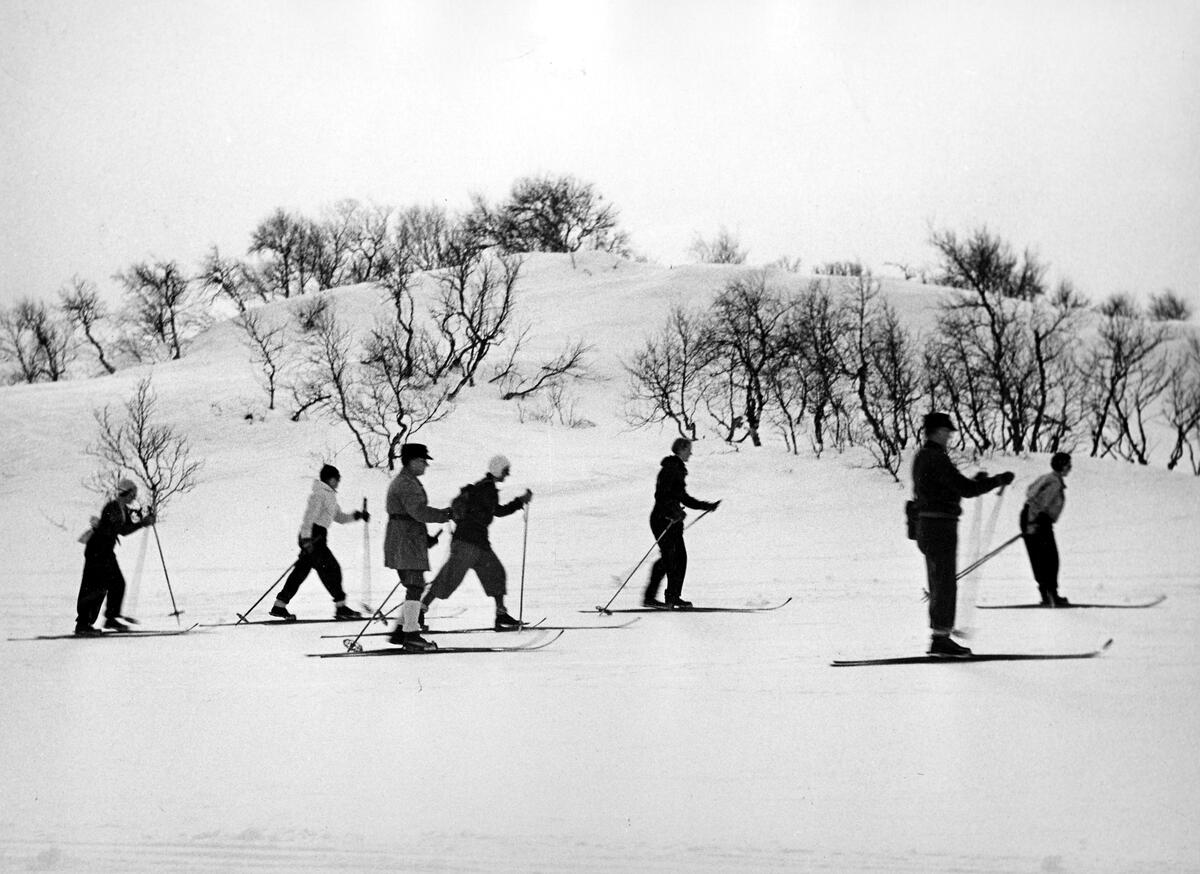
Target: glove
<point>432,539</point>
<point>1005,478</point>
<point>307,545</point>
<point>362,515</point>
<point>527,497</point>
<point>148,518</point>
<point>713,505</point>
<point>982,476</point>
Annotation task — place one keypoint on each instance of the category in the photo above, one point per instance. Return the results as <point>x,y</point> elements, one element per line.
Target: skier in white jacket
<point>321,512</point>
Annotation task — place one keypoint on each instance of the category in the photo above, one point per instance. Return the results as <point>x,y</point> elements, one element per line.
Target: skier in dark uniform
<point>101,573</point>
<point>470,548</point>
<point>666,523</point>
<point>1044,503</point>
<point>320,513</point>
<point>938,490</point>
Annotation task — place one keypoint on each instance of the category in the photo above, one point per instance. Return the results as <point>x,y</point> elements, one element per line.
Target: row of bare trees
<point>164,305</point>
<point>1020,367</point>
<point>408,369</point>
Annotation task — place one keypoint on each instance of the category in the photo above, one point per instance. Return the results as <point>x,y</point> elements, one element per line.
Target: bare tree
<point>231,279</point>
<point>40,344</point>
<point>267,344</point>
<point>1123,374</point>
<point>549,214</point>
<point>424,237</point>
<point>724,248</point>
<point>840,268</point>
<point>667,375</point>
<point>81,304</point>
<point>1169,307</point>
<point>986,264</point>
<point>161,304</point>
<point>154,453</point>
<point>280,239</point>
<point>569,363</point>
<point>1182,406</point>
<point>367,240</point>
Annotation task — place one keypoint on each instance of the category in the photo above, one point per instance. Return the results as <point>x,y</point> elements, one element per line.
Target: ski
<point>284,622</point>
<point>103,634</point>
<point>609,610</point>
<point>1075,606</point>
<point>446,650</point>
<point>538,626</point>
<point>977,657</point>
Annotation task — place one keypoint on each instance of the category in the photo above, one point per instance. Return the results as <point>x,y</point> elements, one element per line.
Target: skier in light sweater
<point>1044,502</point>
<point>321,512</point>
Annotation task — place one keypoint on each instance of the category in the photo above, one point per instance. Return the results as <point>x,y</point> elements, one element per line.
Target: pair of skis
<point>104,635</point>
<point>531,646</point>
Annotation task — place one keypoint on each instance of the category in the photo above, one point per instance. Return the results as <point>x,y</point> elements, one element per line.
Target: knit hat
<point>498,465</point>
<point>1060,461</point>
<point>329,472</point>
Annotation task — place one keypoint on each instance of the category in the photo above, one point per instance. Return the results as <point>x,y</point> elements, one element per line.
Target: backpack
<point>462,502</point>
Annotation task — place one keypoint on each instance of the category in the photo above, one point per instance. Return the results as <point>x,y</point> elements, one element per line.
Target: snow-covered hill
<point>682,743</point>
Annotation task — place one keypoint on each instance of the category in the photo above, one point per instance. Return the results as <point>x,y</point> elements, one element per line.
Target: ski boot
<point>344,612</point>
<point>946,647</point>
<point>281,612</point>
<point>504,622</point>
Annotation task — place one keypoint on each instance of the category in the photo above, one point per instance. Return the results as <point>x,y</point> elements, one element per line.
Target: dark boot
<point>946,647</point>
<point>504,622</point>
<point>282,613</point>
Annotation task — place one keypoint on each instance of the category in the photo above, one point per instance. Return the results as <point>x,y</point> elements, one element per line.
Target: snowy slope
<point>683,743</point>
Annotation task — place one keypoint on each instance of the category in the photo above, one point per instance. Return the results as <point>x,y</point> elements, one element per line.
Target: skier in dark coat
<point>938,490</point>
<point>101,573</point>
<point>666,523</point>
<point>470,547</point>
<point>1044,502</point>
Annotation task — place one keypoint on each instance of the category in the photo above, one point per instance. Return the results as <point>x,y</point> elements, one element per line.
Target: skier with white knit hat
<point>470,548</point>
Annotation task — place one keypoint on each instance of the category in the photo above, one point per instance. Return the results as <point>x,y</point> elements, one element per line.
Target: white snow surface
<point>703,742</point>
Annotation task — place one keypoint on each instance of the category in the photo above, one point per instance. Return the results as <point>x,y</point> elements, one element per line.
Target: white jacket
<point>322,509</point>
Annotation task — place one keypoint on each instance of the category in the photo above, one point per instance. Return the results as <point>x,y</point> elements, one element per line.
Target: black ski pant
<point>672,560</point>
<point>1043,558</point>
<point>101,578</point>
<point>937,538</point>
<point>318,558</point>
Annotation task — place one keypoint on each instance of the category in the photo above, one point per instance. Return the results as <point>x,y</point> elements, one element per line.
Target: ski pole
<point>175,611</point>
<point>604,609</point>
<point>366,558</point>
<point>352,645</point>
<point>975,564</point>
<point>524,546</point>
<point>242,616</point>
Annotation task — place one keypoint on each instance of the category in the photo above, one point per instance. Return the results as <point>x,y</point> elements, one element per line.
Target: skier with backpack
<point>102,576</point>
<point>321,511</point>
<point>406,541</point>
<point>473,510</point>
<point>938,490</point>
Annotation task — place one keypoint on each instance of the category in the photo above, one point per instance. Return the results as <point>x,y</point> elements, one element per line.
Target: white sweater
<point>322,509</point>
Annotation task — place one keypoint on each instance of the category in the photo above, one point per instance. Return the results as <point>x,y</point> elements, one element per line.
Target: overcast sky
<point>824,130</point>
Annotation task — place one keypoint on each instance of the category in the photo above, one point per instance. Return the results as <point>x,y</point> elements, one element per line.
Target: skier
<point>470,548</point>
<point>406,541</point>
<point>321,512</point>
<point>101,573</point>
<point>666,523</point>
<point>938,490</point>
<point>1043,505</point>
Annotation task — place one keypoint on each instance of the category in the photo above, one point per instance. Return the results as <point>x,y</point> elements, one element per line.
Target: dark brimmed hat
<point>933,421</point>
<point>409,451</point>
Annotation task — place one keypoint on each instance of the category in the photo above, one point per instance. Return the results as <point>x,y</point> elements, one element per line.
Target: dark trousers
<point>321,560</point>
<point>101,578</point>
<point>938,541</point>
<point>1043,558</point>
<point>672,560</point>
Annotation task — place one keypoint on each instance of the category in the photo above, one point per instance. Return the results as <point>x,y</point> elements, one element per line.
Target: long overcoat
<point>404,541</point>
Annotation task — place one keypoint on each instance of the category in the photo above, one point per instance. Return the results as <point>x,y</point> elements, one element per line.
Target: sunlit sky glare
<point>823,130</point>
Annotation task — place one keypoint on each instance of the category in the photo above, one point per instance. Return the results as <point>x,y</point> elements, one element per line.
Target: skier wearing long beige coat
<point>406,540</point>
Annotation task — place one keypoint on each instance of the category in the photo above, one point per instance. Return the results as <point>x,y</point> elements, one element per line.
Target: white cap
<point>498,465</point>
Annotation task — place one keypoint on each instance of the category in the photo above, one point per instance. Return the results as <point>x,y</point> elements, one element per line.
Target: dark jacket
<point>670,490</point>
<point>116,521</point>
<point>482,505</point>
<point>938,487</point>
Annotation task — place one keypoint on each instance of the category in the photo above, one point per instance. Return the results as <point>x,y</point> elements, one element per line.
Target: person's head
<point>126,491</point>
<point>1060,463</point>
<point>415,457</point>
<point>938,428</point>
<point>682,447</point>
<point>499,467</point>
<point>330,475</point>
